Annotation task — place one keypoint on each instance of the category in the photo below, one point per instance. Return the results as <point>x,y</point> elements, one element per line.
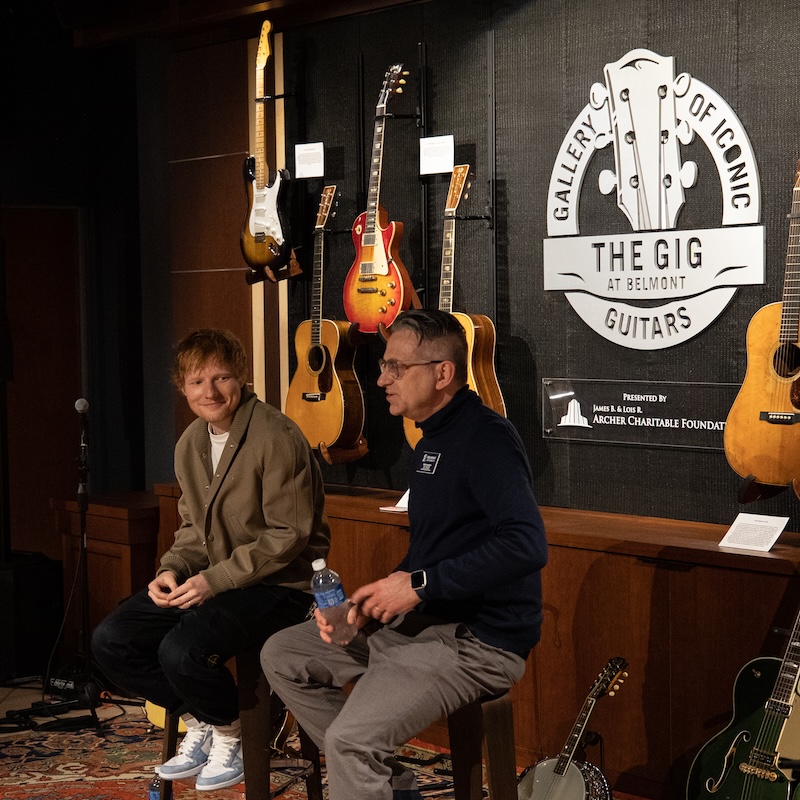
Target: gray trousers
<point>408,674</point>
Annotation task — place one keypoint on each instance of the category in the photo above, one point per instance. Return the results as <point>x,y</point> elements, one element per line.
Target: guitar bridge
<point>313,397</point>
<point>779,417</point>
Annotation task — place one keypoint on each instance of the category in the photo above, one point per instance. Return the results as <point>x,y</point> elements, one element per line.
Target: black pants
<point>176,658</point>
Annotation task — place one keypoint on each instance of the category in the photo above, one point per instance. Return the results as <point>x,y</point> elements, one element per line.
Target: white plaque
<point>309,160</point>
<point>436,154</point>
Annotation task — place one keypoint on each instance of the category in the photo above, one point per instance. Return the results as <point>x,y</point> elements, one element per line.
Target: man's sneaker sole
<point>177,775</point>
<point>222,783</point>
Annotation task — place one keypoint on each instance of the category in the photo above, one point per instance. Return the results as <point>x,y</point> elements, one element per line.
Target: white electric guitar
<point>562,778</point>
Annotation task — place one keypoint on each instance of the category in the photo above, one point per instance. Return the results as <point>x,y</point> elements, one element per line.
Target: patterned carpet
<point>78,764</point>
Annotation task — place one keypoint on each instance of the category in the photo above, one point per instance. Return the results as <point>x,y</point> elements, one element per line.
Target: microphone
<point>81,405</point>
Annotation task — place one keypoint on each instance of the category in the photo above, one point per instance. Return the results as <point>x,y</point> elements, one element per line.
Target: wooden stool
<point>490,722</point>
<point>255,714</point>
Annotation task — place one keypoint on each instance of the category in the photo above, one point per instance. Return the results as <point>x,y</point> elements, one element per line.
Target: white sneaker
<point>191,756</point>
<point>224,766</point>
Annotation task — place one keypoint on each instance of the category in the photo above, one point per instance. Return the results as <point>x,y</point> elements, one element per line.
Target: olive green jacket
<point>260,517</point>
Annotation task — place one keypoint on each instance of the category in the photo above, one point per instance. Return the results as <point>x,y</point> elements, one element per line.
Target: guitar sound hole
<point>787,360</point>
<point>316,358</point>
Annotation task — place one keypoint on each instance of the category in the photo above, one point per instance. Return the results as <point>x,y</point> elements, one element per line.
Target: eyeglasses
<point>398,368</point>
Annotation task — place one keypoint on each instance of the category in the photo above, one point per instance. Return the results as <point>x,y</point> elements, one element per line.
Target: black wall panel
<point>507,79</point>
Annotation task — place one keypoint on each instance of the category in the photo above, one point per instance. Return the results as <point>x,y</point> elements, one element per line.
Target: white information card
<point>754,532</point>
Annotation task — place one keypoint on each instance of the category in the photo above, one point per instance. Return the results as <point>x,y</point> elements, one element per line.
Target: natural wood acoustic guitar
<point>479,328</point>
<point>762,432</point>
<point>324,396</point>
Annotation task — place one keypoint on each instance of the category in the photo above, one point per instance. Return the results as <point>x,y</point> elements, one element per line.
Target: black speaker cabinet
<point>31,607</point>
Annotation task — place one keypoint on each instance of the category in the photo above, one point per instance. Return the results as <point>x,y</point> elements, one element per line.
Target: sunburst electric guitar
<point>265,240</point>
<point>562,778</point>
<point>744,761</point>
<point>762,433</point>
<point>377,287</point>
<point>481,375</point>
<point>324,396</point>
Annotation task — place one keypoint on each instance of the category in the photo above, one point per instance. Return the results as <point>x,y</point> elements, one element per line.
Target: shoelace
<point>193,739</point>
<point>223,749</point>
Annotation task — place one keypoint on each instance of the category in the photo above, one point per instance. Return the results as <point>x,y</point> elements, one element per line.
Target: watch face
<point>418,579</point>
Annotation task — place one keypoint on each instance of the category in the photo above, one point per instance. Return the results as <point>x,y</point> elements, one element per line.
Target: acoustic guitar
<point>265,234</point>
<point>377,287</point>
<point>479,329</point>
<point>563,778</point>
<point>743,762</point>
<point>762,432</point>
<point>324,396</point>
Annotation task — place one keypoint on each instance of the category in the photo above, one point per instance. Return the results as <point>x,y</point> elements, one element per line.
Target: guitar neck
<point>448,259</point>
<point>568,751</point>
<point>790,313</point>
<point>262,172</point>
<point>783,693</point>
<point>316,287</point>
<point>369,238</point>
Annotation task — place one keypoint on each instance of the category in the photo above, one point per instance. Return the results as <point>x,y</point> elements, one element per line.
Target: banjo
<point>561,778</point>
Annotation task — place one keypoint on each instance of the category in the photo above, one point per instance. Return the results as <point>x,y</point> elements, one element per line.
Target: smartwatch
<point>419,580</point>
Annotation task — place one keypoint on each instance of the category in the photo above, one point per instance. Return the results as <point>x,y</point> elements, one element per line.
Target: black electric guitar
<point>563,778</point>
<point>325,397</point>
<point>478,328</point>
<point>762,432</point>
<point>743,762</point>
<point>265,240</point>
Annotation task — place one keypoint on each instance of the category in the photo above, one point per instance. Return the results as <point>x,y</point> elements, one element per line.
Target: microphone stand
<point>82,680</point>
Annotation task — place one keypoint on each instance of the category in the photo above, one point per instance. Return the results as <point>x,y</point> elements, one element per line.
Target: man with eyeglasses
<point>457,618</point>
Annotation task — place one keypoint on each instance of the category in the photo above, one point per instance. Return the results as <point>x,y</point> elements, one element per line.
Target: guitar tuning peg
<point>406,72</point>
<point>402,81</point>
<point>611,694</point>
<point>624,674</point>
<point>400,90</point>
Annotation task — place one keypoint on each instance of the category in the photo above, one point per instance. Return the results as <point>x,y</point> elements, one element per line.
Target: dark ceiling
<point>99,22</point>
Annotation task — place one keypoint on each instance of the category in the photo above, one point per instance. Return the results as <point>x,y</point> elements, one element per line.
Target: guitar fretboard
<point>786,683</point>
<point>316,286</point>
<point>260,132</point>
<point>448,250</point>
<point>568,750</point>
<point>790,311</point>
<point>373,197</point>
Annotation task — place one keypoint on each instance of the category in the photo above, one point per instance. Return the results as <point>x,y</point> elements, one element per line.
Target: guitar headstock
<point>610,680</point>
<point>263,53</point>
<point>458,183</point>
<point>325,204</point>
<point>393,82</point>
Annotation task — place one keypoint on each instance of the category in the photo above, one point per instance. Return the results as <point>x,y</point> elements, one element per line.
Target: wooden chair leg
<point>169,746</point>
<point>310,752</point>
<point>498,729</point>
<point>466,749</point>
<point>254,713</point>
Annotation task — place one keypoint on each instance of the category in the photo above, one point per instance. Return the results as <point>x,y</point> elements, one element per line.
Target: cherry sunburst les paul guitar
<point>265,239</point>
<point>377,287</point>
<point>324,396</point>
<point>762,432</point>
<point>479,329</point>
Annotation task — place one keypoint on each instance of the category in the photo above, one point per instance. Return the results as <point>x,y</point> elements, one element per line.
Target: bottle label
<point>331,597</point>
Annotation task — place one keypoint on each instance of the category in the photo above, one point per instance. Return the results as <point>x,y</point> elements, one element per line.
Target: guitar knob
<point>382,292</point>
<point>382,309</point>
<point>392,302</point>
<point>392,285</point>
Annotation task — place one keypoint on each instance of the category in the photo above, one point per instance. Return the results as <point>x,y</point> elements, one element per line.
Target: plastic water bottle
<point>329,594</point>
<point>154,789</point>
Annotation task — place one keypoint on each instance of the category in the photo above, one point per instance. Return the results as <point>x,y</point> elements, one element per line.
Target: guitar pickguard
<point>264,221</point>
